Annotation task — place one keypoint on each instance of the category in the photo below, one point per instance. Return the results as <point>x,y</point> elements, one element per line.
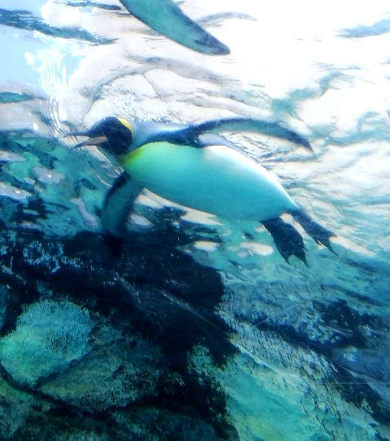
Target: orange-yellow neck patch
<point>127,124</point>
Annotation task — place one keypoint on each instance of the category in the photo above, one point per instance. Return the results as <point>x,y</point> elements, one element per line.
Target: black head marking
<point>118,132</point>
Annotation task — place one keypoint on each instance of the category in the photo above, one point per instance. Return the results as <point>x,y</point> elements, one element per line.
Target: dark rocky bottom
<point>95,347</point>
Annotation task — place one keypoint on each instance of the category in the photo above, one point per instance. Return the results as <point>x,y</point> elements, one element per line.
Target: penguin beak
<point>91,141</point>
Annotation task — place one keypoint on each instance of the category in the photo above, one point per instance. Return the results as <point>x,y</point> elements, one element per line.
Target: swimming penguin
<point>196,167</point>
<point>165,17</point>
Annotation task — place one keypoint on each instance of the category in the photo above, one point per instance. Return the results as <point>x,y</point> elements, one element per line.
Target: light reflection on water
<point>289,62</point>
<point>310,77</point>
<point>300,71</point>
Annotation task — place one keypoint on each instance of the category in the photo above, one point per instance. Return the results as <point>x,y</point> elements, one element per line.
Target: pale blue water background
<point>322,69</point>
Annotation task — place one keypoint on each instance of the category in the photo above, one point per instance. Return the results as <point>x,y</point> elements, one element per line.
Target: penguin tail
<point>320,234</point>
<point>287,239</point>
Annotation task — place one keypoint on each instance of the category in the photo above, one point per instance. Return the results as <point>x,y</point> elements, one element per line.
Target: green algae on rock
<point>48,337</point>
<point>117,371</point>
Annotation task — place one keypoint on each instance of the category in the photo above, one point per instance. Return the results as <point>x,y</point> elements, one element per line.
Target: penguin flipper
<point>116,208</point>
<point>165,17</point>
<point>248,125</point>
<point>287,239</point>
<point>320,234</point>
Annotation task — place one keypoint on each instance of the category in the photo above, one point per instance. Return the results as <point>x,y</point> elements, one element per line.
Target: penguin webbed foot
<point>287,239</point>
<point>114,244</point>
<point>320,234</point>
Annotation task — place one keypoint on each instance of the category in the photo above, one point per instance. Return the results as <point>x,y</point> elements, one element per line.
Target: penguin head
<point>113,134</point>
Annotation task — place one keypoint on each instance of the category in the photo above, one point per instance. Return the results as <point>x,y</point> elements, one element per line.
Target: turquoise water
<point>200,330</point>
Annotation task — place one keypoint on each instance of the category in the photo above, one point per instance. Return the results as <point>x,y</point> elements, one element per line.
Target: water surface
<point>311,344</point>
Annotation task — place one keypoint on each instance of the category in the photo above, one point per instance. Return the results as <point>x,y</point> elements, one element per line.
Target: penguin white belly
<point>214,179</point>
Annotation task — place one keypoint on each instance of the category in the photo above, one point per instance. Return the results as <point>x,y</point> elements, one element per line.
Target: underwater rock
<point>370,366</point>
<point>16,407</point>
<point>374,363</point>
<point>87,334</point>
<point>272,382</point>
<point>4,299</point>
<point>48,337</point>
<point>155,424</point>
<point>116,372</point>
